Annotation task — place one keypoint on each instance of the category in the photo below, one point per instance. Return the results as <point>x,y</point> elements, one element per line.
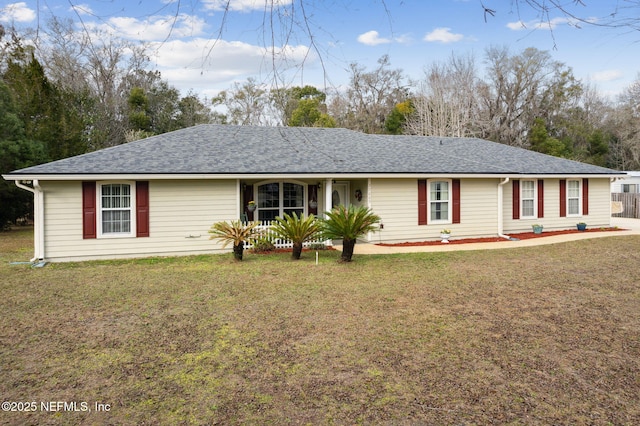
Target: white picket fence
<point>266,232</point>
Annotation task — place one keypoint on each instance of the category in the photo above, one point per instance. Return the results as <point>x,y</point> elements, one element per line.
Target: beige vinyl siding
<point>599,208</point>
<point>396,202</point>
<point>180,214</point>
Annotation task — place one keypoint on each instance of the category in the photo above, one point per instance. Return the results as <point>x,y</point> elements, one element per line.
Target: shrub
<point>348,224</point>
<point>234,232</point>
<point>297,229</point>
<point>263,244</point>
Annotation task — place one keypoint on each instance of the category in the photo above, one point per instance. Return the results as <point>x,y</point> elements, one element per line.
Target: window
<point>277,198</point>
<point>115,209</point>
<point>446,208</point>
<point>573,198</point>
<point>439,201</point>
<point>528,198</point>
<point>630,187</point>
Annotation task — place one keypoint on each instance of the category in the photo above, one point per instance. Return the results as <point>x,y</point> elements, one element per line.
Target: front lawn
<point>541,335</point>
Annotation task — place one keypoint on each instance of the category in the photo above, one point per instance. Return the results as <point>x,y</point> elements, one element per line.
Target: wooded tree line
<point>70,93</point>
<point>523,99</point>
<point>64,93</point>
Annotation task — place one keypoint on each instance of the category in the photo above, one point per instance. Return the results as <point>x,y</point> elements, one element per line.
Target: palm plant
<point>296,229</point>
<point>348,224</point>
<point>234,232</point>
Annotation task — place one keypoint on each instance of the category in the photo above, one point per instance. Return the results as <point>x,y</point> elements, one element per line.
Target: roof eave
<point>198,176</point>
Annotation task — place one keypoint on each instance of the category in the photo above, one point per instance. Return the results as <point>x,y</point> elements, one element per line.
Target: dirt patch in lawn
<point>519,236</point>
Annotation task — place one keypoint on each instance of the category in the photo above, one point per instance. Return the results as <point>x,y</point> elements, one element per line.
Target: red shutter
<point>585,197</point>
<point>142,209</point>
<point>247,196</point>
<point>88,210</point>
<point>563,198</point>
<point>540,198</point>
<point>456,200</point>
<point>422,202</point>
<point>516,199</point>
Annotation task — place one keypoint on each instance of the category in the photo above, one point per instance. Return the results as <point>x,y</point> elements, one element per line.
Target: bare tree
<point>626,122</point>
<point>370,97</point>
<point>246,104</point>
<point>513,93</point>
<point>95,63</point>
<point>446,103</point>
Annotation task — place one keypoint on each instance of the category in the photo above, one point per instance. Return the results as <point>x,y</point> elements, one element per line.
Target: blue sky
<point>192,52</point>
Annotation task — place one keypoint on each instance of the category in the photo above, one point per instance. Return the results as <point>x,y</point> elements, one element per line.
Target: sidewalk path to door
<point>627,226</point>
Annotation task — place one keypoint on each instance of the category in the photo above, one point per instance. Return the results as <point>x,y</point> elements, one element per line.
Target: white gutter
<point>501,209</point>
<point>257,176</point>
<point>38,219</point>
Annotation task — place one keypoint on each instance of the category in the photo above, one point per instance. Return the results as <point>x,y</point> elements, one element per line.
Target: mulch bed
<point>520,236</point>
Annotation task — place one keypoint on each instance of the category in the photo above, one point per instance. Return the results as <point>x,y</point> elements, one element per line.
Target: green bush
<point>348,224</point>
<point>297,229</point>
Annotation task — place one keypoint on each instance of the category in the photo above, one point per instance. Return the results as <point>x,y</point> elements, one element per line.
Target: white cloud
<point>550,24</point>
<point>372,38</point>
<point>152,29</point>
<point>242,5</point>
<point>403,39</point>
<point>443,35</point>
<point>607,75</point>
<point>17,12</point>
<point>203,64</point>
<point>82,9</point>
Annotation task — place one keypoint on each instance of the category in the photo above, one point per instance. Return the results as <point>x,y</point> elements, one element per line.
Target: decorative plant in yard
<point>235,232</point>
<point>348,224</point>
<point>296,229</point>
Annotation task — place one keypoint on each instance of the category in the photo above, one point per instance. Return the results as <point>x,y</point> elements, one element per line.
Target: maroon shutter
<point>422,202</point>
<point>585,197</point>
<point>540,198</point>
<point>563,198</point>
<point>516,199</point>
<point>88,210</point>
<point>248,196</point>
<point>142,209</point>
<point>456,200</point>
<point>313,196</point>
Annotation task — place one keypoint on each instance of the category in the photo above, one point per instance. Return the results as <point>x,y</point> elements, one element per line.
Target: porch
<point>275,197</point>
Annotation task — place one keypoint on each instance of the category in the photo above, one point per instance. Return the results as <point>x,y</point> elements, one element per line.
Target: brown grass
<point>542,335</point>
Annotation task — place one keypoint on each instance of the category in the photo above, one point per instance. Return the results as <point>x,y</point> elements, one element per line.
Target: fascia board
<point>186,176</point>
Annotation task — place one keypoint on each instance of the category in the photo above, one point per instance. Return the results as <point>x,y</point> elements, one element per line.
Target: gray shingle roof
<point>220,149</point>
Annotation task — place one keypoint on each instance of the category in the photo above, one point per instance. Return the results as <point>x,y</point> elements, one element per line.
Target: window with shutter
<point>115,209</point>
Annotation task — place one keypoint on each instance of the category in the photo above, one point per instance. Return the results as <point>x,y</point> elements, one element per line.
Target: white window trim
<point>535,199</point>
<point>132,207</point>
<point>305,200</point>
<point>569,214</point>
<point>449,202</point>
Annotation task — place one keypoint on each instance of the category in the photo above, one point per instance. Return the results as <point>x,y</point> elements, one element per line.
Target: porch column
<point>328,200</point>
<point>328,194</point>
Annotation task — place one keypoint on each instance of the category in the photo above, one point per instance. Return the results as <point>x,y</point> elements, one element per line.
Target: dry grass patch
<point>542,335</point>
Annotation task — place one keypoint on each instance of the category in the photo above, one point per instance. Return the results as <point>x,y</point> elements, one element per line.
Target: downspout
<point>38,218</point>
<point>501,209</point>
<point>611,181</point>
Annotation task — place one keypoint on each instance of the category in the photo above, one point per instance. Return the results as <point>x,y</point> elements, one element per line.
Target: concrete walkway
<point>630,226</point>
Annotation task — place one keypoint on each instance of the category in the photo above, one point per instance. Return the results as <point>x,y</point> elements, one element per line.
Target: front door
<point>340,195</point>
